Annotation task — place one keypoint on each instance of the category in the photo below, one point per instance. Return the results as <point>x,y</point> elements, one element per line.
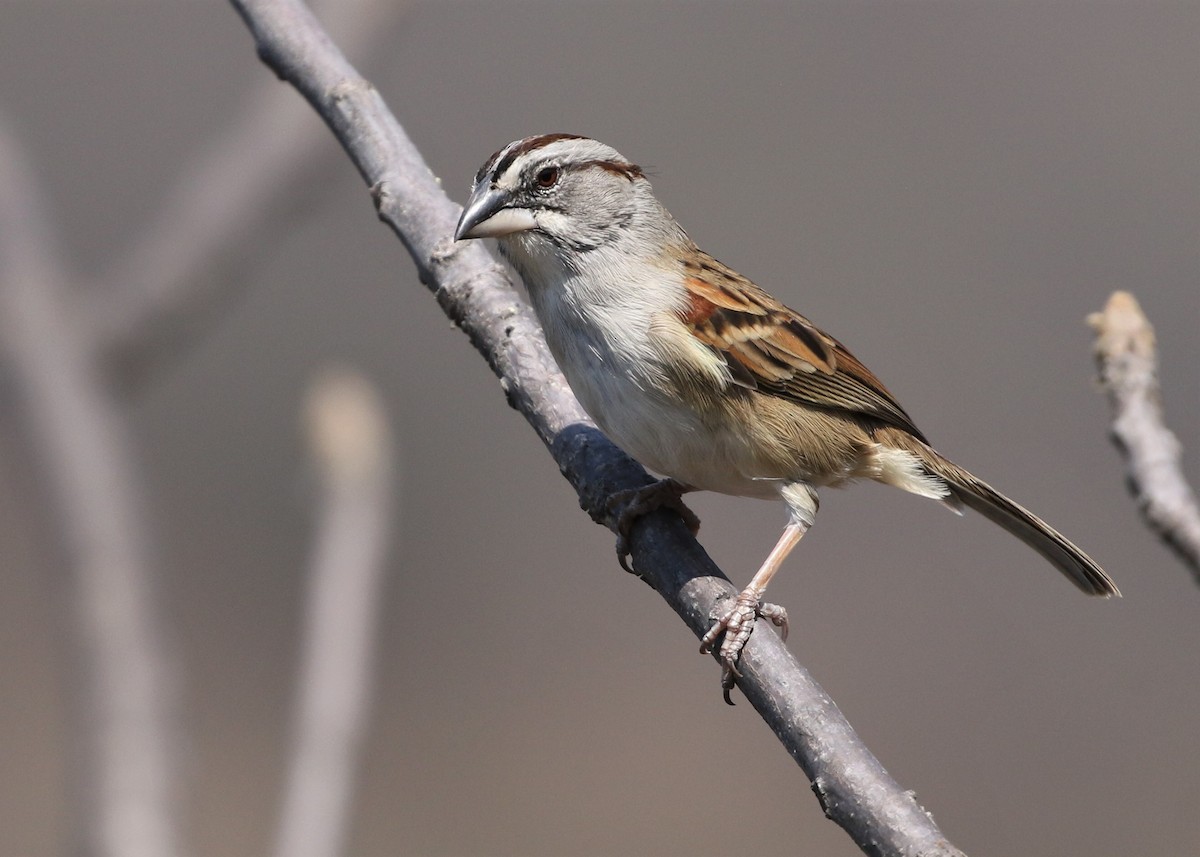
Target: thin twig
<point>853,787</point>
<point>126,773</point>
<point>1125,355</point>
<point>351,448</point>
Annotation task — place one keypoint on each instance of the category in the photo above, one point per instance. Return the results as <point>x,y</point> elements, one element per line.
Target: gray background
<point>947,187</point>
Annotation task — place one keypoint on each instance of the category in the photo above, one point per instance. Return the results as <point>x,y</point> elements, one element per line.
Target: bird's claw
<point>737,624</point>
<point>636,502</point>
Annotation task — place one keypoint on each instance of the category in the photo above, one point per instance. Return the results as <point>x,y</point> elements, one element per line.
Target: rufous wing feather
<point>777,351</point>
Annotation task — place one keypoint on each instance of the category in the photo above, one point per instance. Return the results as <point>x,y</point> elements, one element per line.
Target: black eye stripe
<point>534,176</point>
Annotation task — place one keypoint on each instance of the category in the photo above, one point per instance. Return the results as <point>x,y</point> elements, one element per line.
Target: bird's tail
<point>1081,569</point>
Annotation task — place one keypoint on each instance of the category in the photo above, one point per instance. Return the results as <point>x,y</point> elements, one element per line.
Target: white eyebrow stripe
<point>506,166</point>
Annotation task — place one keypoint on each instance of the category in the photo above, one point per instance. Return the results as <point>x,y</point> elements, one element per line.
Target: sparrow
<point>701,375</point>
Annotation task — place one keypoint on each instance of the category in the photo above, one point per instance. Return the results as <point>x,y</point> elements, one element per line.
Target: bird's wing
<point>777,351</point>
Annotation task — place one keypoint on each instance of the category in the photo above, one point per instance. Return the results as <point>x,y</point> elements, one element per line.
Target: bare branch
<point>238,180</point>
<point>1125,354</point>
<point>853,787</point>
<point>350,444</point>
<point>126,776</point>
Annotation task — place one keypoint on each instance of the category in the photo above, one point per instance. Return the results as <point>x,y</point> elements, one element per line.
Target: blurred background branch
<point>126,780</point>
<point>351,450</point>
<point>1125,350</point>
<point>158,293</point>
<point>57,341</point>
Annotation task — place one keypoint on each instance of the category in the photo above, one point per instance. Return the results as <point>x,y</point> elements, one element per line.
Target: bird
<point>701,375</point>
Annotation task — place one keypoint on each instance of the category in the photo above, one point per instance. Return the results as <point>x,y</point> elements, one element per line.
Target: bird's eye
<point>548,176</point>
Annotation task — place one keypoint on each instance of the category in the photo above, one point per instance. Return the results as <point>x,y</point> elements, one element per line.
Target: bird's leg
<point>738,622</point>
<point>636,502</point>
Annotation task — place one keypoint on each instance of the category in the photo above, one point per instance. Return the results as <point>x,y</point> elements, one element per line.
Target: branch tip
<point>1122,328</point>
<point>1128,365</point>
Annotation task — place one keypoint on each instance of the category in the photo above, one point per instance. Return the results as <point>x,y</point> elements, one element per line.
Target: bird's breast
<point>639,410</point>
<point>621,357</point>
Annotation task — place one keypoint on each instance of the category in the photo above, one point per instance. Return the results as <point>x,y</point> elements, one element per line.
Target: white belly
<point>669,438</point>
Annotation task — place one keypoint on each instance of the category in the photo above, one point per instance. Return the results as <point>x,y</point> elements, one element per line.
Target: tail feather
<point>1043,538</point>
<point>1081,569</point>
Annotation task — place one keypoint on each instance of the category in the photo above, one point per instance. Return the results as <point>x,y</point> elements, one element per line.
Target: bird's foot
<point>636,502</point>
<point>737,625</point>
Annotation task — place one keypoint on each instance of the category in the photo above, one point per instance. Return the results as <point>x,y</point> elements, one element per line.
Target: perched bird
<point>701,375</point>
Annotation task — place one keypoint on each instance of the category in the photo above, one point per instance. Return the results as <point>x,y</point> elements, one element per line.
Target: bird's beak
<point>487,215</point>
